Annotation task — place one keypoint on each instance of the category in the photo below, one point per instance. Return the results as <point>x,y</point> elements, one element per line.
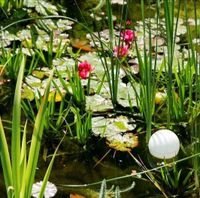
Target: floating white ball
<point>164,144</point>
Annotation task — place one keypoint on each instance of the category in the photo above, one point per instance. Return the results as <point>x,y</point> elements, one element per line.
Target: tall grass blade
<point>16,133</point>
<point>36,140</point>
<point>23,162</point>
<point>5,160</point>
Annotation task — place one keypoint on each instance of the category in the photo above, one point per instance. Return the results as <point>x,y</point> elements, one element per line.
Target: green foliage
<point>83,125</point>
<point>74,86</point>
<point>176,181</point>
<point>18,170</point>
<point>7,5</point>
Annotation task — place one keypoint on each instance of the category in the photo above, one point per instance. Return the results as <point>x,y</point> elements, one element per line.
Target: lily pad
<point>50,190</point>
<point>109,127</point>
<point>27,93</point>
<point>39,74</point>
<point>116,131</point>
<point>123,142</point>
<point>44,8</point>
<point>56,96</point>
<point>97,103</point>
<point>127,94</point>
<point>32,81</point>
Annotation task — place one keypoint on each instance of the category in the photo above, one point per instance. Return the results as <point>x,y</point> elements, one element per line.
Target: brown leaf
<point>81,44</point>
<point>76,196</point>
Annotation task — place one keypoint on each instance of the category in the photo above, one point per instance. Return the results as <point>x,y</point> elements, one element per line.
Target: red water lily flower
<point>128,22</point>
<point>120,51</point>
<point>84,69</point>
<point>128,36</point>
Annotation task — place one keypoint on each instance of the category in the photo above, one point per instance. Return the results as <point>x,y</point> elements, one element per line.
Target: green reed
<point>7,5</point>
<point>19,167</point>
<point>147,73</point>
<point>83,125</point>
<point>171,31</point>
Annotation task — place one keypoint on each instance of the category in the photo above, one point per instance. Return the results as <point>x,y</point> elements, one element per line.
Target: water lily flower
<point>128,22</point>
<point>84,69</point>
<point>128,36</point>
<point>120,51</point>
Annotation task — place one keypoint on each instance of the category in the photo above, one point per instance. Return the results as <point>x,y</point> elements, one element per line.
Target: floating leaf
<point>57,95</point>
<point>27,93</point>
<point>45,8</point>
<point>33,81</point>
<point>127,95</point>
<point>123,142</point>
<point>39,74</point>
<point>50,190</point>
<point>97,103</point>
<point>109,127</point>
<point>116,131</point>
<point>81,44</point>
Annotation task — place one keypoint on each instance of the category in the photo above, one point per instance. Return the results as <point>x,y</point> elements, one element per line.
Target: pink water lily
<point>84,69</point>
<point>120,51</point>
<point>128,36</point>
<point>128,22</point>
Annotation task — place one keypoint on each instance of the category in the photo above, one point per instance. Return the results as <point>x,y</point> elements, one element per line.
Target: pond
<point>104,90</point>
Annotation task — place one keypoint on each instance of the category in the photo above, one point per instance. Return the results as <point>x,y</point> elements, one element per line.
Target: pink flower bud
<point>120,51</point>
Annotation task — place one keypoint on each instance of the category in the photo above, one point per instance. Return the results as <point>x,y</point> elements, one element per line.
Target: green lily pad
<point>127,95</point>
<point>97,103</point>
<point>109,127</point>
<point>6,38</point>
<point>116,131</point>
<point>39,74</point>
<point>27,93</point>
<point>123,142</point>
<point>31,80</point>
<point>45,8</point>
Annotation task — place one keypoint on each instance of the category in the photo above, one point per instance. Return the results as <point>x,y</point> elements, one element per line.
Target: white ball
<point>164,144</point>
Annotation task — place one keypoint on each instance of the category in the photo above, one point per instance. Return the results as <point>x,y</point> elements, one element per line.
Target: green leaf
<point>16,133</point>
<point>5,160</point>
<point>36,140</point>
<point>102,193</point>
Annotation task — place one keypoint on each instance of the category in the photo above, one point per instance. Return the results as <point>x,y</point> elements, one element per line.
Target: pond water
<point>75,164</point>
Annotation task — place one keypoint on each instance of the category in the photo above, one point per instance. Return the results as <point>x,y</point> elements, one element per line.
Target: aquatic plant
<point>83,126</point>
<point>7,5</point>
<point>19,172</point>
